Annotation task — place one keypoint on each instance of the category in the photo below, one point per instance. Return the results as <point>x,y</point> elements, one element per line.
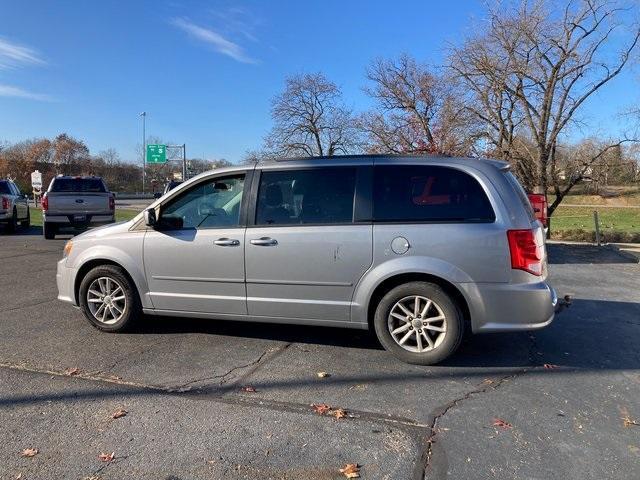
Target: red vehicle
<point>539,204</point>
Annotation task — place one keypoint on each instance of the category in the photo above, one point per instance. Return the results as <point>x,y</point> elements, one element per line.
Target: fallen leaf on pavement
<point>70,372</point>
<point>487,381</point>
<point>339,413</point>
<point>248,389</point>
<point>627,421</point>
<point>29,452</point>
<point>351,470</point>
<point>323,375</point>
<point>107,457</point>
<point>320,408</point>
<point>498,422</point>
<point>550,366</point>
<point>121,412</point>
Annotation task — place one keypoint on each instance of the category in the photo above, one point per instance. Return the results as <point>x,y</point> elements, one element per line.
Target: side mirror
<point>150,217</point>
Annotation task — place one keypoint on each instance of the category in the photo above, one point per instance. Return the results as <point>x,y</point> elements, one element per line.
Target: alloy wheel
<point>417,324</point>
<point>106,300</point>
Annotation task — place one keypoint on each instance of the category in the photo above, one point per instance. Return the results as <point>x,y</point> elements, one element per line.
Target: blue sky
<point>206,71</point>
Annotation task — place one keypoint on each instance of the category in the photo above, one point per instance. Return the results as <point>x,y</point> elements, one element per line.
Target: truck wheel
<point>13,223</point>
<point>27,222</point>
<point>419,323</point>
<point>48,230</point>
<point>109,300</point>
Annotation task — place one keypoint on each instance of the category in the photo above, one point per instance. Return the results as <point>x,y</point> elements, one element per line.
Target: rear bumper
<point>5,216</point>
<point>510,307</point>
<point>89,220</point>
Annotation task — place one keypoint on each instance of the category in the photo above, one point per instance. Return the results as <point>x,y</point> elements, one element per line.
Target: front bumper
<point>511,307</point>
<point>65,279</point>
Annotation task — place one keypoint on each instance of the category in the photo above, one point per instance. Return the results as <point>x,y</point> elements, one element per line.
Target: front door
<point>194,260</point>
<point>304,252</point>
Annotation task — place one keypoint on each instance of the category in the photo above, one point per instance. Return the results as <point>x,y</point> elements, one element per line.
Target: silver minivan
<point>420,249</point>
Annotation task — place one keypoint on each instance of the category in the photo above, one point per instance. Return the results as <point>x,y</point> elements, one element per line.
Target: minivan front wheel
<point>109,299</point>
<point>419,323</point>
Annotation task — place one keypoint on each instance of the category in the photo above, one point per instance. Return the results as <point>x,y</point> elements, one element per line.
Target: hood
<point>105,230</point>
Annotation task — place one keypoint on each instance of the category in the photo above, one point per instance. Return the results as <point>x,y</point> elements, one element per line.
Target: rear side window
<point>4,188</point>
<point>522,195</point>
<point>423,193</point>
<point>313,196</point>
<point>89,185</point>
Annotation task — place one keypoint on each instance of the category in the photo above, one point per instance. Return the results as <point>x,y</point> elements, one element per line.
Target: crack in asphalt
<point>29,305</point>
<point>426,460</point>
<point>409,425</point>
<point>185,387</point>
<point>138,351</point>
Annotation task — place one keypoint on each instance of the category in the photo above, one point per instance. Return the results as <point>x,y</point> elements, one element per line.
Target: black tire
<point>452,317</point>
<point>27,222</point>
<point>12,224</point>
<point>132,310</point>
<point>49,231</point>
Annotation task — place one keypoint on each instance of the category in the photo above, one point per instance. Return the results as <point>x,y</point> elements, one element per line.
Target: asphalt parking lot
<point>211,399</point>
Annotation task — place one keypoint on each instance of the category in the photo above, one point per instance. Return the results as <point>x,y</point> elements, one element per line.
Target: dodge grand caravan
<point>419,249</point>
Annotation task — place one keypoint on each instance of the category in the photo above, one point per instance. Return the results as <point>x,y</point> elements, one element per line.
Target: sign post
<point>36,185</point>
<point>156,154</point>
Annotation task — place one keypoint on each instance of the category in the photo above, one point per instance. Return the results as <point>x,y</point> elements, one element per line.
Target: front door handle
<point>264,242</point>
<point>227,242</point>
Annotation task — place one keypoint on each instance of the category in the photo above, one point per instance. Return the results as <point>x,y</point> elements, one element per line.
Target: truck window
<point>89,185</point>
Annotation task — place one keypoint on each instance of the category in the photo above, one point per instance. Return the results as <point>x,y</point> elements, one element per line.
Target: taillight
<point>5,203</point>
<point>539,204</point>
<point>112,203</point>
<point>45,203</point>
<point>526,254</point>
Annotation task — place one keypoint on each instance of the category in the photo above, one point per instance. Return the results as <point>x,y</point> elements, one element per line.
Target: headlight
<point>67,249</point>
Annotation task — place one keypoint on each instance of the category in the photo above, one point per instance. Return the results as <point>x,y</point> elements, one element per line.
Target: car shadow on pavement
<point>592,336</point>
<point>20,231</point>
<point>589,334</point>
<point>562,253</point>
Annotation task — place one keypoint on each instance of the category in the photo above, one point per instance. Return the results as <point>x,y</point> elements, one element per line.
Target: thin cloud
<point>219,43</point>
<point>17,92</point>
<point>13,55</point>
<point>238,20</point>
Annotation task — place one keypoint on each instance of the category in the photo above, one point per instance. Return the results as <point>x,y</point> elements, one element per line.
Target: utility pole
<point>144,147</point>
<point>184,162</point>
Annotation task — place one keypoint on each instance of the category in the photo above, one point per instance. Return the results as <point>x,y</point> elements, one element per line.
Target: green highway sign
<point>156,154</point>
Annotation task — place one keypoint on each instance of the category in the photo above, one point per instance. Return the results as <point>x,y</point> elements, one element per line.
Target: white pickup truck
<point>76,202</point>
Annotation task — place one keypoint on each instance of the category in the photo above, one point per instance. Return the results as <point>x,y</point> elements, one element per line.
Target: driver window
<point>210,204</point>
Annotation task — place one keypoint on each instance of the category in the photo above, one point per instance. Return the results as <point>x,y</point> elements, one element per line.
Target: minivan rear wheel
<point>419,323</point>
<point>108,299</point>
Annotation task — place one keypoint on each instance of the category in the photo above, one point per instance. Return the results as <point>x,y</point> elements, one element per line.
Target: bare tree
<point>416,111</point>
<point>530,72</point>
<point>310,119</point>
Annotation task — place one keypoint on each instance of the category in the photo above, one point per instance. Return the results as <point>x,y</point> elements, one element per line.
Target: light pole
<point>144,146</point>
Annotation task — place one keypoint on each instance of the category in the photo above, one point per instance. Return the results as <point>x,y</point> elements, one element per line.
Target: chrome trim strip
<point>298,300</point>
<point>196,295</point>
<point>300,282</point>
<point>198,279</point>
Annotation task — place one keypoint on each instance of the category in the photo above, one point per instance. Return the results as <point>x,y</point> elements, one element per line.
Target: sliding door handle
<point>264,242</point>
<point>227,242</point>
